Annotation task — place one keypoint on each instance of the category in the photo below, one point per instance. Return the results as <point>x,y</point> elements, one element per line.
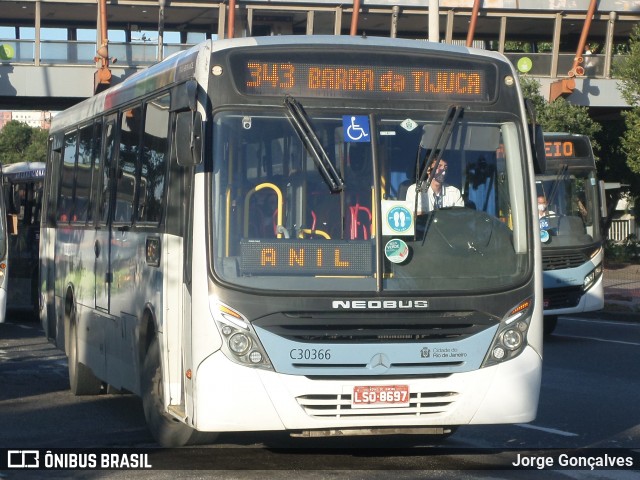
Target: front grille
<point>336,328</point>
<point>555,261</point>
<point>339,406</point>
<point>373,343</point>
<point>565,297</point>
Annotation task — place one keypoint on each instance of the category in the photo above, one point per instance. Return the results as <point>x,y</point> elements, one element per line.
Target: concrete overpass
<point>41,72</point>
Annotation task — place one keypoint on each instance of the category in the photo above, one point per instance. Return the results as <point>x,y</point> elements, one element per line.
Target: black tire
<point>166,430</point>
<point>82,381</point>
<point>550,324</point>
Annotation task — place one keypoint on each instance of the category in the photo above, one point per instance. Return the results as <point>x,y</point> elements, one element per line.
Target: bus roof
<point>24,171</point>
<point>183,65</point>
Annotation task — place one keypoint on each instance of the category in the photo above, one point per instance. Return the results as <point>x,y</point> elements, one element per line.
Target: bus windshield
<point>568,208</point>
<point>278,226</point>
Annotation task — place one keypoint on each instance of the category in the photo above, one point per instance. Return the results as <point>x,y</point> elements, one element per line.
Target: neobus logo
<point>379,304</point>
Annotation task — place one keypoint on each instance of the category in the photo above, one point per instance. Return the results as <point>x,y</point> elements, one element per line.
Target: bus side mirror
<point>184,96</point>
<point>537,139</point>
<point>539,152</point>
<point>188,138</point>
<point>12,223</point>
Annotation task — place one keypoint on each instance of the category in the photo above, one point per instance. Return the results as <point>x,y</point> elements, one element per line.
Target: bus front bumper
<point>231,397</point>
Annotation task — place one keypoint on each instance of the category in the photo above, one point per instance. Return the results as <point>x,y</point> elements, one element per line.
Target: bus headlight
<point>511,337</point>
<point>240,342</point>
<point>591,278</point>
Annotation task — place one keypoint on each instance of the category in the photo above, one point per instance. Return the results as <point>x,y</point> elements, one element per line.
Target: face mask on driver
<point>439,177</point>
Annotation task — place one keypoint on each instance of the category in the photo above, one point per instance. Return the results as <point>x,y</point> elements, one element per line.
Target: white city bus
<point>22,184</point>
<point>570,228</point>
<point>227,235</point>
<point>4,250</point>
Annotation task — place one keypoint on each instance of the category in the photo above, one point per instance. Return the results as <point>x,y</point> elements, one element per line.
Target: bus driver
<point>439,194</point>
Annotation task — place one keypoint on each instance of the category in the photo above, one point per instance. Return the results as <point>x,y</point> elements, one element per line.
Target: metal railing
<point>620,230</point>
<point>69,52</point>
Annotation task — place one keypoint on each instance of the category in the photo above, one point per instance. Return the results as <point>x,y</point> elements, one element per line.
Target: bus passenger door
<point>102,242</point>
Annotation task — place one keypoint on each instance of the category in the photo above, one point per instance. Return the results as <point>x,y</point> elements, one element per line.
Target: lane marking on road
<point>636,344</point>
<point>602,322</point>
<point>554,431</point>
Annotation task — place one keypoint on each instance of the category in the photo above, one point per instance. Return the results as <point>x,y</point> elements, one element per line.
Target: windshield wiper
<point>562,176</point>
<point>437,146</point>
<point>300,122</point>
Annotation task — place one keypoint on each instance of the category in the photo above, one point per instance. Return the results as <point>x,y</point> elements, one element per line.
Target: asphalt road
<point>589,403</point>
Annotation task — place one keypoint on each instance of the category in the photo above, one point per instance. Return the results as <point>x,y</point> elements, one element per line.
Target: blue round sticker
<point>399,219</point>
<point>544,236</point>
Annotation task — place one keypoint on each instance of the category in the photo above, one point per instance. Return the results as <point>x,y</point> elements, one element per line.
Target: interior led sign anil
<point>289,256</point>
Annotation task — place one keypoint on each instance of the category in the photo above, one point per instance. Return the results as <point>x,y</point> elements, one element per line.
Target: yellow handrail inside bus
<point>228,197</point>
<point>373,214</point>
<point>247,199</point>
<point>310,231</point>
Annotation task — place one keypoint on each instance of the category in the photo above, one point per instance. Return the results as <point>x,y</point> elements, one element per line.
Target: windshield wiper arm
<point>303,128</point>
<point>560,177</point>
<point>437,145</point>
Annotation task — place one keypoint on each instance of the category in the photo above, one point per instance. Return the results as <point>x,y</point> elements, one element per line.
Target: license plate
<point>380,396</point>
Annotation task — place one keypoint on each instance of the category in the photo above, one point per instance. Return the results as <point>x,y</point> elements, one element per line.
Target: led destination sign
<point>387,77</point>
<point>564,148</point>
<point>306,257</point>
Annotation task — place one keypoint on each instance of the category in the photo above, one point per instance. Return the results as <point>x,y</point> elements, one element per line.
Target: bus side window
<point>127,163</point>
<point>153,169</point>
<point>65,200</point>
<point>83,175</point>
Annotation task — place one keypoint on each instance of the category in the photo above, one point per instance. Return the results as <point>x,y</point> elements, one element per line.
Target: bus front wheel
<point>166,430</point>
<point>82,381</point>
<point>550,324</point>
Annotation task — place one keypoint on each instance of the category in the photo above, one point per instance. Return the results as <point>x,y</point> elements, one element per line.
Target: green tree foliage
<point>20,143</point>
<point>628,71</point>
<point>37,149</point>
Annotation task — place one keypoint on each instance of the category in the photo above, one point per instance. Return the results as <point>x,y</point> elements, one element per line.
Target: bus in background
<point>228,235</point>
<point>23,199</point>
<point>6,225</point>
<point>570,210</point>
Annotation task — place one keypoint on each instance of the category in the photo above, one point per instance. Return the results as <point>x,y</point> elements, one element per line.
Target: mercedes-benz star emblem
<point>379,362</point>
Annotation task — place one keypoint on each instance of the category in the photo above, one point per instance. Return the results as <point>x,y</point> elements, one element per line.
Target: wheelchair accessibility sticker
<point>356,128</point>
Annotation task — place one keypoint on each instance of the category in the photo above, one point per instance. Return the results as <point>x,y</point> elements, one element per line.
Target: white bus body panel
<point>592,299</point>
<point>3,304</point>
<point>230,397</point>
